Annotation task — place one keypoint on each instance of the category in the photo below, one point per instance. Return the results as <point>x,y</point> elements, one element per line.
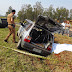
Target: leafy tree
<point>21,15</point>
<point>61,13</point>
<point>49,11</point>
<point>9,11</point>
<point>38,9</point>
<point>29,12</point>
<point>25,12</point>
<point>32,13</point>
<point>71,14</point>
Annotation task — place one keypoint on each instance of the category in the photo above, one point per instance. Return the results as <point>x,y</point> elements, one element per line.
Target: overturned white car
<point>38,37</point>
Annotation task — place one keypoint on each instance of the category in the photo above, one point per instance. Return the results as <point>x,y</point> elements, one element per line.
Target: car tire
<point>19,44</point>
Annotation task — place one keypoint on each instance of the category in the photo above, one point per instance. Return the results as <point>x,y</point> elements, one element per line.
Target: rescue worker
<point>11,26</point>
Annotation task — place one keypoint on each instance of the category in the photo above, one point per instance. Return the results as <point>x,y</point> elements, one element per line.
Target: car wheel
<point>19,44</point>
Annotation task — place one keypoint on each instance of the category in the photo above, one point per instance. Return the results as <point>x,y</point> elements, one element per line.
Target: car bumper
<point>36,49</point>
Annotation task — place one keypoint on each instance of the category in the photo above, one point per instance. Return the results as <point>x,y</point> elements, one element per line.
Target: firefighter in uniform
<point>11,26</point>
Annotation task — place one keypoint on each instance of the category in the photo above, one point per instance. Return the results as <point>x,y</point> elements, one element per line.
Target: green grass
<point>62,39</point>
<point>11,61</point>
<point>17,20</point>
<point>3,17</point>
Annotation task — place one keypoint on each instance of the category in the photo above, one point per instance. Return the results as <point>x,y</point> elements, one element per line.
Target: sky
<point>17,4</point>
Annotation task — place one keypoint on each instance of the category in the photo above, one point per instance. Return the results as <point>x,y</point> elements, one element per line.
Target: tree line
<point>29,12</point>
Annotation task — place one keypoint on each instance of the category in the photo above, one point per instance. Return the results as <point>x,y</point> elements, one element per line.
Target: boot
<point>6,41</point>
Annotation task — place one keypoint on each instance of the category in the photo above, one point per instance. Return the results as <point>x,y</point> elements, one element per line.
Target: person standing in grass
<point>67,27</point>
<point>11,26</point>
<point>64,24</point>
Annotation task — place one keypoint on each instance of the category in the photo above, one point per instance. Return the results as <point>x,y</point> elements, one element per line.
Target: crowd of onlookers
<point>66,27</point>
